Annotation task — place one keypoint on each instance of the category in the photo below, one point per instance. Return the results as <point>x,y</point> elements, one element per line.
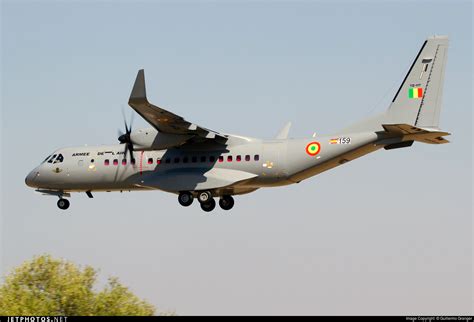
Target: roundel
<point>313,148</point>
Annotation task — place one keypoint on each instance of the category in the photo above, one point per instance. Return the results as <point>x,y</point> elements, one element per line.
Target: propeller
<point>124,138</point>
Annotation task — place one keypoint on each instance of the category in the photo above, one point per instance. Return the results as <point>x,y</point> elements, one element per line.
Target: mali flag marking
<point>415,92</point>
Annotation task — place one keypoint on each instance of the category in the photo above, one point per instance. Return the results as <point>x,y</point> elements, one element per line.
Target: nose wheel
<point>63,204</point>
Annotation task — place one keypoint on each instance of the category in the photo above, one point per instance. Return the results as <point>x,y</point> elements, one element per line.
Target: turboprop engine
<point>151,139</point>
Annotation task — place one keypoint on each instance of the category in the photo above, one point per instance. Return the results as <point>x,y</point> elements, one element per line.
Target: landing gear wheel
<point>185,199</point>
<point>209,205</point>
<point>204,196</point>
<point>226,202</point>
<point>63,204</point>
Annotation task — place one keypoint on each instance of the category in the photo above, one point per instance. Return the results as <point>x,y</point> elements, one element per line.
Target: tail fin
<point>418,99</point>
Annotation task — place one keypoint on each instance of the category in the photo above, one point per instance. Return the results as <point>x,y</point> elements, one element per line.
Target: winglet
<point>283,134</point>
<point>139,91</point>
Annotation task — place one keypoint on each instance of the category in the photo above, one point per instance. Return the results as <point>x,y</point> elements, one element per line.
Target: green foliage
<point>47,286</point>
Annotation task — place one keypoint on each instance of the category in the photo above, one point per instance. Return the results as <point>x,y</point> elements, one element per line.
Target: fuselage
<point>259,163</point>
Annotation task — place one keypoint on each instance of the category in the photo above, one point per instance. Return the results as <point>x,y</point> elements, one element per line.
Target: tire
<point>185,199</point>
<point>208,206</point>
<point>63,204</point>
<point>226,202</point>
<point>204,196</point>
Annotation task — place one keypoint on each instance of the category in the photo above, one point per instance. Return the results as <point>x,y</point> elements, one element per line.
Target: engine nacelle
<point>151,139</point>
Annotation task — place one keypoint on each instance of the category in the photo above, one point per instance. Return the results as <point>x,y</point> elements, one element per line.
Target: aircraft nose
<point>30,178</point>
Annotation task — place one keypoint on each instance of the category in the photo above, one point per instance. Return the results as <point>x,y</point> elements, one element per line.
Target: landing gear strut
<point>226,202</point>
<point>185,199</point>
<point>63,204</point>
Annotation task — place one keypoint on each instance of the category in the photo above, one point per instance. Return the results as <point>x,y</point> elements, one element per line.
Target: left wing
<point>163,120</point>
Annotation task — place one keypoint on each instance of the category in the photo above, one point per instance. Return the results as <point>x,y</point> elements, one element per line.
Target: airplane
<point>193,162</point>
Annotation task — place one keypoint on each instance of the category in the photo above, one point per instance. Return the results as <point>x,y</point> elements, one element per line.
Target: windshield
<point>55,158</point>
<point>46,158</point>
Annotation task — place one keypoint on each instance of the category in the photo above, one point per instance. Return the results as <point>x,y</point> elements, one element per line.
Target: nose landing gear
<point>63,204</point>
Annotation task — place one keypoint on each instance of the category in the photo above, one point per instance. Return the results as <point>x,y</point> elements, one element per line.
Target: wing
<point>163,120</point>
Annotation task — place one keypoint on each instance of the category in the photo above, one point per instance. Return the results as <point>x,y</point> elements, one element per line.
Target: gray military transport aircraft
<point>183,158</point>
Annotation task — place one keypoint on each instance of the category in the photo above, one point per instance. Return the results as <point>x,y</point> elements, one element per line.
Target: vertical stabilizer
<point>418,100</point>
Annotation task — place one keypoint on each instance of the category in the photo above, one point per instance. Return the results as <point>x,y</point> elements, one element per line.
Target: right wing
<point>163,120</point>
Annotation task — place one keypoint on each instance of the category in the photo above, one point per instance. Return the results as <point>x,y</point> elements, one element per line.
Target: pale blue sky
<point>386,234</point>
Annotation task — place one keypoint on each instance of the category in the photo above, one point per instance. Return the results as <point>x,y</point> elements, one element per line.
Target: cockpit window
<point>56,158</point>
<point>52,158</point>
<point>49,156</point>
<point>59,159</point>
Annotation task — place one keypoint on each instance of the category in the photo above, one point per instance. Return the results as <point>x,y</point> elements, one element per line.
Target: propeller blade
<point>125,138</point>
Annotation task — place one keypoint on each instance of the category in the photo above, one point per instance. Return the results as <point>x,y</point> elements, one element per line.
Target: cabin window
<point>150,160</point>
<point>229,158</point>
<point>106,162</point>
<point>194,159</point>
<point>185,160</point>
<point>221,158</point>
<point>124,162</point>
<point>212,159</point>
<point>176,160</point>
<point>115,162</point>
<point>256,157</point>
<point>238,158</point>
<point>92,160</point>
<point>247,157</point>
<point>167,160</point>
<point>203,158</point>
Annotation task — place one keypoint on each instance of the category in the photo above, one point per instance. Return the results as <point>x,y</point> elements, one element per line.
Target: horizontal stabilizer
<point>410,132</point>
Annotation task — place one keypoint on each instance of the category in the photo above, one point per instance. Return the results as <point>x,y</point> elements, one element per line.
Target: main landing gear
<point>63,203</point>
<point>226,202</point>
<point>206,200</point>
<point>185,199</point>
